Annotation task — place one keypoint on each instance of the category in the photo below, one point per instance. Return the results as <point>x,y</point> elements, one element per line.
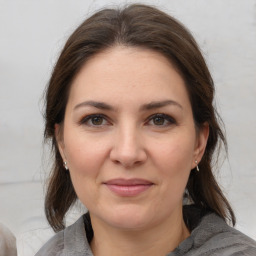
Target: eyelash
<point>170,120</point>
<point>87,119</point>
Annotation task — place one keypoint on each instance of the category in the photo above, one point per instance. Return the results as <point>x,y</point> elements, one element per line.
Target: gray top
<point>210,236</point>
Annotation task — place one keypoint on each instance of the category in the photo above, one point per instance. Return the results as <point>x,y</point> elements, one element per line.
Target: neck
<point>157,240</point>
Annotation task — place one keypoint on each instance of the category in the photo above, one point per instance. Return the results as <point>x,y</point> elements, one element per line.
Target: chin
<point>128,218</point>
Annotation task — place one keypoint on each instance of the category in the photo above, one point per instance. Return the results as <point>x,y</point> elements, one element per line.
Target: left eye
<point>97,120</point>
<point>161,120</point>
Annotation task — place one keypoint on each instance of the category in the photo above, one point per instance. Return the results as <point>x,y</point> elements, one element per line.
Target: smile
<point>128,188</point>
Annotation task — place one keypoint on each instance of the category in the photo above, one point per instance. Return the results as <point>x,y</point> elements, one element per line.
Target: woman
<point>7,242</point>
<point>129,112</point>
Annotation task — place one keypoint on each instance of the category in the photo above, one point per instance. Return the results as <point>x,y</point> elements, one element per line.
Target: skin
<point>130,141</point>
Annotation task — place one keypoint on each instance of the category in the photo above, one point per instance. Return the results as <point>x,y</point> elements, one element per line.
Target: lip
<point>128,187</point>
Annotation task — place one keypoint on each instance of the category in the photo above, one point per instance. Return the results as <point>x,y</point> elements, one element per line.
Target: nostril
<point>128,160</point>
<point>128,149</point>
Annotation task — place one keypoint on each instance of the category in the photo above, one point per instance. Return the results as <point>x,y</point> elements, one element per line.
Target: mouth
<point>128,187</point>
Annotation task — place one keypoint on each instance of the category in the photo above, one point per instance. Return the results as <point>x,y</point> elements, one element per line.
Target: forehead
<point>128,75</point>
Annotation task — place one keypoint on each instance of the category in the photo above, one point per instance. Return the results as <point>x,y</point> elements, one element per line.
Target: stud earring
<point>197,168</point>
<point>65,165</point>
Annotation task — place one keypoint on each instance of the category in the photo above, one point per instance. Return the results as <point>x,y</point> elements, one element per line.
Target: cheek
<point>85,160</point>
<point>173,160</point>
<point>176,153</point>
<point>84,155</point>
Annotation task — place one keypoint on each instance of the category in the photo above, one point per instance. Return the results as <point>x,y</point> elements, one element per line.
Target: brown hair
<point>146,27</point>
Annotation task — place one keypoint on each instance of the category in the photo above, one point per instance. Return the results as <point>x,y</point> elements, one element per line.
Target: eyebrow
<point>149,106</point>
<point>160,104</point>
<point>96,104</point>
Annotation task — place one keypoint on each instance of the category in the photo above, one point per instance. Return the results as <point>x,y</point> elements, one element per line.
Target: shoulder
<point>54,247</point>
<point>238,243</point>
<point>221,239</point>
<point>213,236</point>
<point>7,241</point>
<point>70,241</point>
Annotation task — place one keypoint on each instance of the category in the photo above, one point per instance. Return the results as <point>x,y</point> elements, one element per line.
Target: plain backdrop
<point>31,36</point>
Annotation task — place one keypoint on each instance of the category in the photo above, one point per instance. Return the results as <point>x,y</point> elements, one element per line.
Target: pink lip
<point>128,187</point>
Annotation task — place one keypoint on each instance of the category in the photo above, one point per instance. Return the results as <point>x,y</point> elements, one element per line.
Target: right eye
<point>94,120</point>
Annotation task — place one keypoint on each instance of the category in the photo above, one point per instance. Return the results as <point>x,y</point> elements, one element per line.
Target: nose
<point>128,149</point>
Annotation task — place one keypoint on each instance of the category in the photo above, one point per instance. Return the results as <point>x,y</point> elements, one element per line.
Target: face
<point>129,138</point>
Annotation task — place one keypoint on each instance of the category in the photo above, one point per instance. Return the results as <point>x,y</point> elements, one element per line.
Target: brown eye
<point>94,120</point>
<point>159,120</point>
<point>97,120</point>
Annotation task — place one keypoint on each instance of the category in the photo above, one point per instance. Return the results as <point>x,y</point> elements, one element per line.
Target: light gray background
<point>31,36</point>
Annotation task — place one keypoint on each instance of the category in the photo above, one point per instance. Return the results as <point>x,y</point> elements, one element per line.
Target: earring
<point>197,168</point>
<point>65,165</point>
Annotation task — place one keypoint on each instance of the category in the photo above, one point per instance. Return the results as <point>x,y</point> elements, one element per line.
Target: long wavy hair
<point>149,28</point>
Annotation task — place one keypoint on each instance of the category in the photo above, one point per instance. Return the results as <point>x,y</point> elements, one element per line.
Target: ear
<point>201,142</point>
<point>59,138</point>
